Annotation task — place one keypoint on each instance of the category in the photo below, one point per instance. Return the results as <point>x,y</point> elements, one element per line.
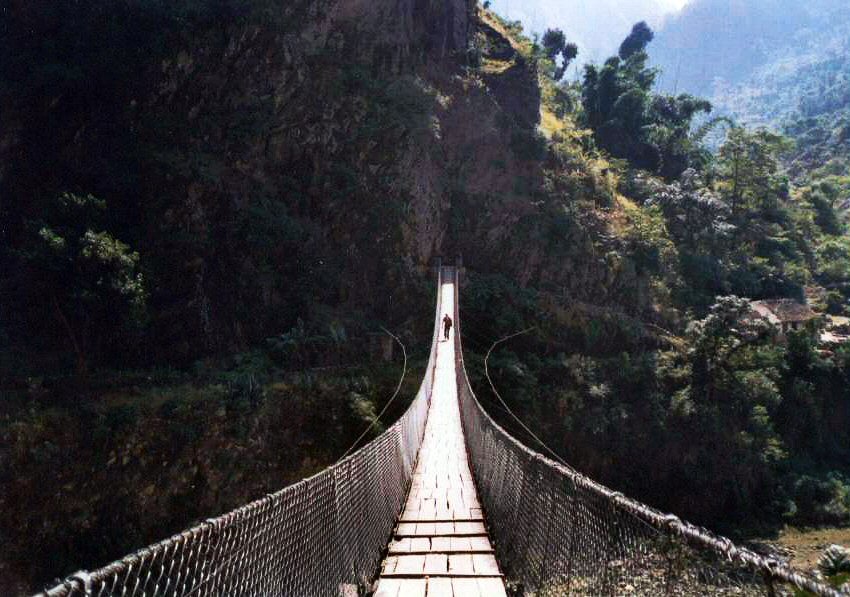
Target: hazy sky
<point>597,26</point>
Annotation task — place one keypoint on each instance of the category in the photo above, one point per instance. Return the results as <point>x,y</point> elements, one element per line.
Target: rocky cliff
<point>277,158</point>
<point>280,174</point>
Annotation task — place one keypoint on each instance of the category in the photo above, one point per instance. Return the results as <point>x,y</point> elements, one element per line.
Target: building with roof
<point>787,315</point>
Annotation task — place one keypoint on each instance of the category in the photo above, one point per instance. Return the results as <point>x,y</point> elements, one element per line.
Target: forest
<point>712,231</point>
<point>205,221</point>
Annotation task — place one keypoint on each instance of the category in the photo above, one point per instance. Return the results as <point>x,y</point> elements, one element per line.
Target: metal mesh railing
<point>556,532</point>
<point>322,536</point>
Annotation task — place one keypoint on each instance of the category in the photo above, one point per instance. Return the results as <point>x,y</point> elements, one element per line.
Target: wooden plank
<point>492,587</point>
<point>461,564</point>
<point>422,533</point>
<point>413,587</point>
<point>442,517</point>
<point>436,563</point>
<point>443,512</point>
<point>414,564</point>
<point>388,587</point>
<point>390,564</point>
<point>420,544</point>
<point>467,587</point>
<point>461,544</point>
<point>426,545</point>
<point>406,528</point>
<point>444,528</point>
<point>427,528</point>
<point>442,533</point>
<point>485,564</point>
<point>398,546</point>
<point>440,587</point>
<point>470,528</point>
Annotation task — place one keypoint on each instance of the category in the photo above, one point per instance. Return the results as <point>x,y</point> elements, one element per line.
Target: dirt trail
<point>807,545</point>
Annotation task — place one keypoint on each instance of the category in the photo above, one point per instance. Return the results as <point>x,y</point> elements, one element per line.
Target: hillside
<point>714,42</point>
<point>806,97</point>
<point>597,27</point>
<point>770,64</point>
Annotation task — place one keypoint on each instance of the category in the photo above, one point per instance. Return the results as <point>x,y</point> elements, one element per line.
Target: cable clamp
<point>84,578</point>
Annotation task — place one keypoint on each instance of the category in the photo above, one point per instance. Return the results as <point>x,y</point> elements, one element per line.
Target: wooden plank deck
<point>441,547</point>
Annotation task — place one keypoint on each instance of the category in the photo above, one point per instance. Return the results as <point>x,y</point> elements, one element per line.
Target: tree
<point>555,45</point>
<point>718,339</point>
<point>636,41</point>
<point>826,216</point>
<point>697,217</point>
<point>670,121</point>
<point>616,100</point>
<point>553,42</point>
<point>568,54</point>
<point>734,393</point>
<point>749,169</point>
<point>88,281</point>
<point>652,132</point>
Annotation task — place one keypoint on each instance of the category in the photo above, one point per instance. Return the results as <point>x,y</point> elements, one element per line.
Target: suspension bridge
<point>444,503</point>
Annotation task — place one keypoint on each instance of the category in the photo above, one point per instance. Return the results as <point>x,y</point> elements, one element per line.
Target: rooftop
<point>784,310</point>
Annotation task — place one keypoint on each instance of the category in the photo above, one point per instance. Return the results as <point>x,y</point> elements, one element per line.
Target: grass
<point>519,42</point>
<point>550,124</point>
<point>807,545</point>
<point>493,66</point>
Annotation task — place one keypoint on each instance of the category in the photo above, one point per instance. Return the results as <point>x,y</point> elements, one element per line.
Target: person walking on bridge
<point>447,325</point>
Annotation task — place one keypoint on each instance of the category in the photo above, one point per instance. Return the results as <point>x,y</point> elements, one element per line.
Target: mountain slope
<point>770,63</point>
<point>727,40</point>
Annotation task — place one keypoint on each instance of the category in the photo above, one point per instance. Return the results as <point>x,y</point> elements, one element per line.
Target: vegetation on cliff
<point>678,396</point>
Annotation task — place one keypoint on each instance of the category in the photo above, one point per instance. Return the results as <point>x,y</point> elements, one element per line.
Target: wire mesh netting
<point>322,536</point>
<point>556,532</point>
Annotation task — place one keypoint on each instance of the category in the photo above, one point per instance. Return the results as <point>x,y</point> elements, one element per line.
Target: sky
<point>597,26</point>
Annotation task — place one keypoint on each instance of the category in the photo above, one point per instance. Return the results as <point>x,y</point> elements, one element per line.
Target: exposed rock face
<point>405,33</point>
<point>516,87</point>
<point>307,94</point>
<point>460,181</point>
<point>321,159</point>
